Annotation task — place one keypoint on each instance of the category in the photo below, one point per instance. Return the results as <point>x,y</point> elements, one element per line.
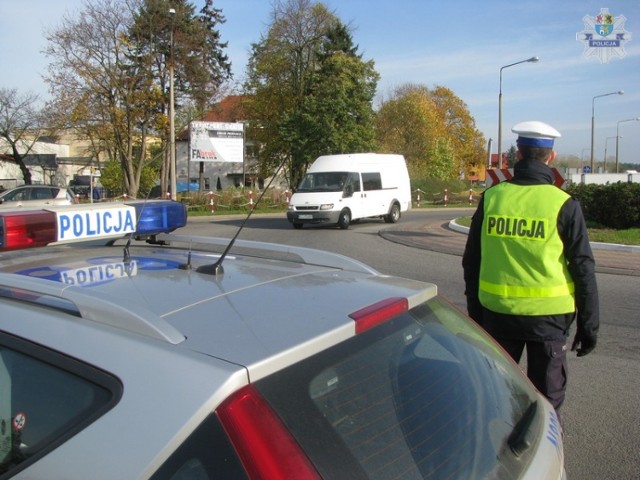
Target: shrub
<point>613,206</point>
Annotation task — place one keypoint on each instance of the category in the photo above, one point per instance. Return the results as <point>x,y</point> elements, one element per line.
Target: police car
<point>128,350</point>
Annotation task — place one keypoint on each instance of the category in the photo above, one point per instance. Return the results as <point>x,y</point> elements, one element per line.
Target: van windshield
<point>328,181</point>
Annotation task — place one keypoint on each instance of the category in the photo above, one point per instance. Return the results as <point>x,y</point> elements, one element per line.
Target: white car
<point>198,358</point>
<point>36,196</point>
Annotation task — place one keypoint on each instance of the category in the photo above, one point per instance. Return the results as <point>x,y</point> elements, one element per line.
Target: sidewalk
<point>450,238</point>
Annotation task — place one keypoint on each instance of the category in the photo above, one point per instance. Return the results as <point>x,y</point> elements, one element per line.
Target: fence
<point>445,198</point>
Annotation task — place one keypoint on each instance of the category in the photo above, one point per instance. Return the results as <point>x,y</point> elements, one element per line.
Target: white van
<point>338,189</point>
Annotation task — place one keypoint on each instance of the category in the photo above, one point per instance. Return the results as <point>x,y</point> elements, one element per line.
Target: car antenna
<point>216,268</point>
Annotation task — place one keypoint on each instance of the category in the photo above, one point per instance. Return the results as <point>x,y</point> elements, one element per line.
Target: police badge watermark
<point>604,36</point>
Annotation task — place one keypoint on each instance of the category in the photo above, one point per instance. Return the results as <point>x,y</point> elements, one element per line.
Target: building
<point>51,161</point>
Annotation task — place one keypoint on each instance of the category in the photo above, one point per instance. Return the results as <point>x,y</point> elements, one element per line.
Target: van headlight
<point>291,208</point>
<point>326,206</point>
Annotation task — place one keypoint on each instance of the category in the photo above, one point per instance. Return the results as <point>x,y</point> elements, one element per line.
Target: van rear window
<point>425,395</point>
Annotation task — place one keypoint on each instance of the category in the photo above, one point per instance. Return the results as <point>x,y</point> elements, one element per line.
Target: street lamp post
<point>532,59</point>
<point>593,119</point>
<point>172,132</point>
<point>605,152</point>
<point>618,135</point>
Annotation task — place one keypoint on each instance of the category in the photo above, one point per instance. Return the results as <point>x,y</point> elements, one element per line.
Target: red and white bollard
<point>287,195</point>
<point>211,203</point>
<point>470,197</point>
<point>251,199</point>
<point>446,197</point>
<point>168,196</point>
<point>418,198</point>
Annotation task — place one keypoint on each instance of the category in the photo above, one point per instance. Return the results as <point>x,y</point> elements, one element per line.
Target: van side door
<point>353,196</point>
<point>375,198</point>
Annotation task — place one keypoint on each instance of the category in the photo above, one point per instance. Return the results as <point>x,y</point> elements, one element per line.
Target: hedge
<point>612,206</point>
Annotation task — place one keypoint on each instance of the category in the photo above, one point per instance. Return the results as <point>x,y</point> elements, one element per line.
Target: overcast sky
<point>459,44</point>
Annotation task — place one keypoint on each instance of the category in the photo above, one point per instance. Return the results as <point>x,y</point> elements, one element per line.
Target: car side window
<point>42,193</point>
<point>45,399</point>
<point>17,196</point>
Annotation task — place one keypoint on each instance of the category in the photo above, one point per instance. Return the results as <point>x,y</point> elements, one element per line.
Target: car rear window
<point>425,395</point>
<point>45,398</point>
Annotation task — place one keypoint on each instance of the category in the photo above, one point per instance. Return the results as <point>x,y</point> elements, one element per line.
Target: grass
<point>630,236</point>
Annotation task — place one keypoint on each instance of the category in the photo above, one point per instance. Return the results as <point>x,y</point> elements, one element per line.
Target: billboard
<point>216,142</point>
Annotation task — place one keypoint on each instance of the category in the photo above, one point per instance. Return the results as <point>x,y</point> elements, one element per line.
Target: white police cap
<point>535,134</point>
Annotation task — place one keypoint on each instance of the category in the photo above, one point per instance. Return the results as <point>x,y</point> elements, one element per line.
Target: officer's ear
<point>552,156</point>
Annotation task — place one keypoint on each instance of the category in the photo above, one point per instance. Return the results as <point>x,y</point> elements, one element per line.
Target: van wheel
<point>394,215</point>
<point>345,219</point>
<point>297,225</point>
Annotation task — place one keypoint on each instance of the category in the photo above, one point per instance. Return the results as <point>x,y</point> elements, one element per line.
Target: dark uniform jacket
<point>577,251</point>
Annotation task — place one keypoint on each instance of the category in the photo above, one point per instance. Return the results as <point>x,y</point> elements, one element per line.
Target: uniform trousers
<point>546,365</point>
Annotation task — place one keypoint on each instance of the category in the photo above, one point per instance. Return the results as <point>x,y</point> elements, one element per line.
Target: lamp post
<point>605,151</point>
<point>172,133</point>
<point>593,118</point>
<point>532,59</point>
<point>618,135</point>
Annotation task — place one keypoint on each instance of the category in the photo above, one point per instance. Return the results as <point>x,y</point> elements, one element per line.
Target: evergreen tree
<point>311,94</point>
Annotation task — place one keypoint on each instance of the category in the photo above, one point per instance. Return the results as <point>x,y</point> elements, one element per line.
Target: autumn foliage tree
<point>433,129</point>
<point>109,75</point>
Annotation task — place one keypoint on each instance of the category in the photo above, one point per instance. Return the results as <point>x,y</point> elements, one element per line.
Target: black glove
<point>583,343</point>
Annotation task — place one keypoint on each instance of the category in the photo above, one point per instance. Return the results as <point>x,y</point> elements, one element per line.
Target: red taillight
<point>368,317</point>
<point>27,229</point>
<point>264,445</point>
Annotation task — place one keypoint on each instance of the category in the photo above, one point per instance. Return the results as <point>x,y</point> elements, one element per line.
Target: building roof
<point>229,110</point>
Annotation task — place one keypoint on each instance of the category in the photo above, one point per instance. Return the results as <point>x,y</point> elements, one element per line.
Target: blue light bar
<point>159,216</point>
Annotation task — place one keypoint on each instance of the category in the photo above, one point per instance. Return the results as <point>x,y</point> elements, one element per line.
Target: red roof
<point>229,109</point>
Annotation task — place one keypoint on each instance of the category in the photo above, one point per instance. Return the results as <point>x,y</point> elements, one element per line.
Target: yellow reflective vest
<point>523,270</point>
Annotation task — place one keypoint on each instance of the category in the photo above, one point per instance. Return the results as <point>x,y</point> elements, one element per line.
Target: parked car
<point>160,355</point>
<point>36,196</point>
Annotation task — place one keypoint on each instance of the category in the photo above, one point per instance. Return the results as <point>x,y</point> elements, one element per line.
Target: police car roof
<point>252,312</point>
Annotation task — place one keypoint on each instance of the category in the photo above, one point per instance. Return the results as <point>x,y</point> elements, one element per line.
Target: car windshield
<point>426,395</point>
<point>325,181</point>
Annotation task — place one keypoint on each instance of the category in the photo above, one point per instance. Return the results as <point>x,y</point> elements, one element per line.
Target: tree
<point>511,157</point>
<point>109,74</point>
<point>102,89</point>
<point>20,126</point>
<point>432,129</point>
<point>309,92</point>
<point>200,64</point>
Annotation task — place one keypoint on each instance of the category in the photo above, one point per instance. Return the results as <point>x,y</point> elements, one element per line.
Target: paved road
<point>447,237</point>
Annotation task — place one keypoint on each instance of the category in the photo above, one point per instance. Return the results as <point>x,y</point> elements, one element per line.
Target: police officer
<point>528,267</point>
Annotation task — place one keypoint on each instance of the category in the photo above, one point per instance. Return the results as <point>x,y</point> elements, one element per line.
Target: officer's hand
<point>584,344</point>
